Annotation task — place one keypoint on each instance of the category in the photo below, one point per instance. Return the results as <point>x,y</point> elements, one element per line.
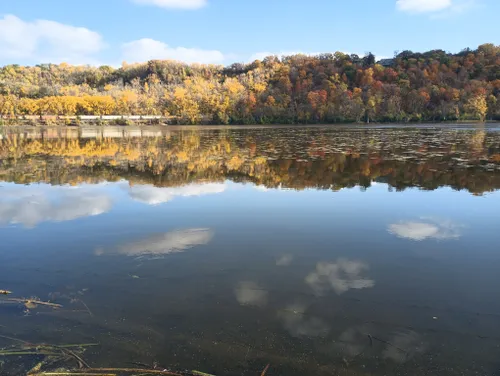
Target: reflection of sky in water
<point>249,293</point>
<point>426,229</point>
<point>297,271</point>
<point>156,195</point>
<point>341,277</point>
<point>298,324</point>
<point>31,205</point>
<point>164,244</point>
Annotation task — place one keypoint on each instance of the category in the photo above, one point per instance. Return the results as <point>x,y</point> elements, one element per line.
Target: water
<point>348,251</point>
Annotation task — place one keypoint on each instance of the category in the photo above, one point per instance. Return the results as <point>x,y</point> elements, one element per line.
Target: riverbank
<point>138,120</point>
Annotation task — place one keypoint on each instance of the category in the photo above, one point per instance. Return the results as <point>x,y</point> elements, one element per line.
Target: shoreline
<point>159,121</point>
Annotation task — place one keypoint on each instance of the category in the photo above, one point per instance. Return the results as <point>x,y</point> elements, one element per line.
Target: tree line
<point>328,88</point>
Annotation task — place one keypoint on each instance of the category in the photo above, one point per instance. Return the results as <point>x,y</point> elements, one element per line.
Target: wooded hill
<point>430,86</point>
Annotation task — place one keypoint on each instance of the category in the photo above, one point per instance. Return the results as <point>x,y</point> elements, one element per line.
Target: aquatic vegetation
<point>52,354</point>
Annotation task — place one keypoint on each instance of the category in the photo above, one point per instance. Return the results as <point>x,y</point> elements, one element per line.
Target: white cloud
<point>426,229</point>
<point>155,195</point>
<point>149,49</point>
<point>31,205</point>
<point>174,4</point>
<point>341,277</point>
<point>251,294</point>
<point>164,244</point>
<point>423,6</point>
<point>47,41</point>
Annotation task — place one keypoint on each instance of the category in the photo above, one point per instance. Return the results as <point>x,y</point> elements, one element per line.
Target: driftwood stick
<point>38,302</point>
<point>86,306</point>
<point>82,363</point>
<point>70,374</point>
<point>265,370</point>
<point>390,344</point>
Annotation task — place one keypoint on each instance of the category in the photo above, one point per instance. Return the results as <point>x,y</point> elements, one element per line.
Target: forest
<point>299,89</point>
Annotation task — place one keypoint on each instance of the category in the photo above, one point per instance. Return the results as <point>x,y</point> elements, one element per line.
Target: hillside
<point>431,86</point>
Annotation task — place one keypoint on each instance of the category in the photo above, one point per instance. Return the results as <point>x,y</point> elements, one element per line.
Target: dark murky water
<point>319,251</point>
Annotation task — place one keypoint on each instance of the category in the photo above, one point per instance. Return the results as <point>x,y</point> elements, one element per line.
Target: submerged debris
<point>52,354</point>
<point>54,357</point>
<point>118,372</point>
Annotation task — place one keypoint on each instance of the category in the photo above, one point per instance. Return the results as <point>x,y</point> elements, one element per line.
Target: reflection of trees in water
<point>289,158</point>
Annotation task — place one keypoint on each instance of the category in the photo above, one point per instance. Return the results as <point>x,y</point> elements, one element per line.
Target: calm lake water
<point>319,251</point>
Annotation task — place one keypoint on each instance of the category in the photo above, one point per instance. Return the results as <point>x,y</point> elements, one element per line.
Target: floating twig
<point>15,353</point>
<point>390,344</point>
<point>198,373</point>
<point>76,345</point>
<point>88,309</point>
<point>71,374</point>
<point>30,302</point>
<point>265,370</point>
<point>82,363</point>
<point>371,340</point>
<point>130,370</point>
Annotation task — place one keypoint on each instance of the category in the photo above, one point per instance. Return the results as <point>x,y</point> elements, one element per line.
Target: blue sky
<point>226,31</point>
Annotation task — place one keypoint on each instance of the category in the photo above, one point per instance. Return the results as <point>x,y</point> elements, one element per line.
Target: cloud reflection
<point>341,277</point>
<point>404,346</point>
<point>352,341</point>
<point>152,195</point>
<point>284,260</point>
<point>164,244</point>
<point>298,325</point>
<point>426,228</point>
<point>32,205</point>
<point>249,293</point>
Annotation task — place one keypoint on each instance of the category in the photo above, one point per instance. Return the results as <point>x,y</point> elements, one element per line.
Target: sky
<point>109,32</point>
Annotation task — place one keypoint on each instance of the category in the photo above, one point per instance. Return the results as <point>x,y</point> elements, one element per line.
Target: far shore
<point>141,121</point>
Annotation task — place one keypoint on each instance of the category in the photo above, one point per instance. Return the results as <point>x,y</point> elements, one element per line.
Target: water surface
<point>349,251</point>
